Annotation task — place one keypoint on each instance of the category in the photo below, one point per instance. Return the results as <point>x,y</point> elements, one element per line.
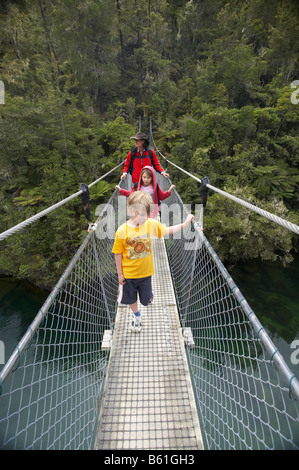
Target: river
<point>272,292</point>
<point>19,304</point>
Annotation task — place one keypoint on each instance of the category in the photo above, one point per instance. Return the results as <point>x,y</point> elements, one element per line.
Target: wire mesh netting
<point>53,397</point>
<point>242,399</point>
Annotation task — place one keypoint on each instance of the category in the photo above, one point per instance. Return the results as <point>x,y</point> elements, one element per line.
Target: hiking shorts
<point>128,292</point>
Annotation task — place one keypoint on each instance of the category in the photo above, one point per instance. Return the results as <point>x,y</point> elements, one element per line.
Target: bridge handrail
<point>35,217</point>
<point>275,356</point>
<point>26,340</point>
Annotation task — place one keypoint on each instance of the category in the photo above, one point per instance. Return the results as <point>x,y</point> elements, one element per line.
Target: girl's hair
<point>147,171</point>
<point>141,200</point>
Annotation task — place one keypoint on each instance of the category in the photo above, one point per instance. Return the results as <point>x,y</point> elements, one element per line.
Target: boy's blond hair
<point>140,198</point>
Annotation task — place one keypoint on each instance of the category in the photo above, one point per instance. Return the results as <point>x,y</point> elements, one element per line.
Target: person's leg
<point>136,321</point>
<point>128,296</point>
<point>145,291</point>
<point>144,288</point>
<point>134,307</point>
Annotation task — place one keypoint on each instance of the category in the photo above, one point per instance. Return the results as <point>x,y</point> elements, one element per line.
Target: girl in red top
<point>141,158</point>
<point>147,183</point>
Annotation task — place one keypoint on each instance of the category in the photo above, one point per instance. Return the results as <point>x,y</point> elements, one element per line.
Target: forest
<point>219,80</point>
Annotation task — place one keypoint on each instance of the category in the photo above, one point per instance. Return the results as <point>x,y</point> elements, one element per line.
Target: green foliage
<point>236,233</point>
<point>216,79</point>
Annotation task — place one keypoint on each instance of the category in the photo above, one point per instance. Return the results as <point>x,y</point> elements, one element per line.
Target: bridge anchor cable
<point>35,217</point>
<point>274,218</point>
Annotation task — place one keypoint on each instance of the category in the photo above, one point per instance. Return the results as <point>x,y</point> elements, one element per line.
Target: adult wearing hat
<point>139,157</point>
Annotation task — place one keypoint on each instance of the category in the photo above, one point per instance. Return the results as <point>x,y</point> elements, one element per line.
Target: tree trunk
<point>123,55</point>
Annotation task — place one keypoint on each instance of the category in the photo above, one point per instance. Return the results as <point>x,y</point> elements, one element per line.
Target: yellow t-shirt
<point>135,244</point>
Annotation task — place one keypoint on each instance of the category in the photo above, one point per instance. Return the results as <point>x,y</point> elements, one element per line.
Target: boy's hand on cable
<point>121,279</point>
<point>188,219</point>
<point>171,188</point>
<point>117,187</point>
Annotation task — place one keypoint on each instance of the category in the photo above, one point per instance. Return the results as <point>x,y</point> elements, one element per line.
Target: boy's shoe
<point>136,323</point>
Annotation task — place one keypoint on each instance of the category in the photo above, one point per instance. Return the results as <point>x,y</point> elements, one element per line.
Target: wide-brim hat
<point>141,136</point>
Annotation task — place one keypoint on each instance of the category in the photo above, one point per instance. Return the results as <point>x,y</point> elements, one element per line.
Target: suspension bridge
<point>202,374</point>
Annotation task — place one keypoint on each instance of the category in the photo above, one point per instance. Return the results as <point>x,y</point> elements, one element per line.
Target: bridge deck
<point>148,400</point>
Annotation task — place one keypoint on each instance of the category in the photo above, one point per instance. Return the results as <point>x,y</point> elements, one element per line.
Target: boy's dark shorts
<point>127,293</point>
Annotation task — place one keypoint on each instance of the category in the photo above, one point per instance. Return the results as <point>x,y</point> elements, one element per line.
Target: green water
<point>77,370</point>
<point>272,292</point>
<point>19,304</point>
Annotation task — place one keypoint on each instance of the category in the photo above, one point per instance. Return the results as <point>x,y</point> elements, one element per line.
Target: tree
<point>215,76</point>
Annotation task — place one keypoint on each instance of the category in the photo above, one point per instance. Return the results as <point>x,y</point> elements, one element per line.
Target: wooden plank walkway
<point>148,400</point>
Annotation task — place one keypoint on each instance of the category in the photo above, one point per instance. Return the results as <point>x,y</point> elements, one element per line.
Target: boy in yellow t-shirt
<point>133,253</point>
